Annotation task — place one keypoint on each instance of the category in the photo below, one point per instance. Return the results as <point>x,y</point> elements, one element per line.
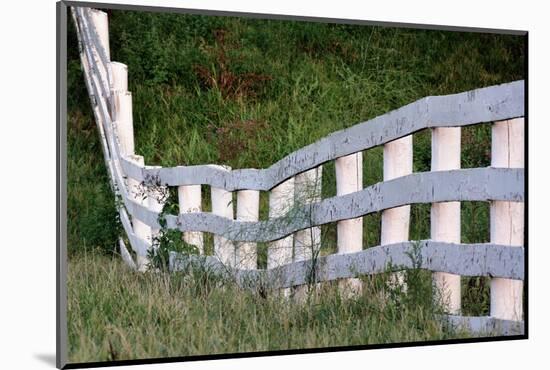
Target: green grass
<point>115,314</point>
<point>245,93</point>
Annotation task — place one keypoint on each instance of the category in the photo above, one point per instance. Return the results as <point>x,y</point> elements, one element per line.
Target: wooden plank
<point>478,184</point>
<point>307,190</point>
<point>123,124</point>
<point>281,201</point>
<point>100,42</point>
<point>97,84</point>
<point>103,120</point>
<point>100,22</point>
<point>259,279</point>
<point>156,198</point>
<point>398,161</point>
<point>141,241</point>
<point>126,257</point>
<point>248,208</point>
<point>481,105</point>
<point>468,260</point>
<point>138,245</point>
<point>445,216</point>
<point>120,76</point>
<point>507,217</point>
<point>110,146</point>
<point>190,201</point>
<point>222,206</point>
<point>97,44</point>
<point>97,114</point>
<point>307,242</point>
<point>349,180</point>
<point>485,325</point>
<point>139,232</point>
<point>138,195</point>
<point>482,259</point>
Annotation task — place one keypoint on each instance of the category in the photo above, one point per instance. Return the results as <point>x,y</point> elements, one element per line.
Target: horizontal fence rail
<point>464,259</point>
<point>482,105</point>
<point>428,187</point>
<point>295,215</point>
<point>485,325</point>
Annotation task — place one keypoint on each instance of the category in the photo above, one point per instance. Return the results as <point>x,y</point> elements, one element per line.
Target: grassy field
<point>245,93</point>
<point>115,314</point>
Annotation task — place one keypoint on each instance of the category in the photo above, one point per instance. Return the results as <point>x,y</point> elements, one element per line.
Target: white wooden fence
<point>297,210</point>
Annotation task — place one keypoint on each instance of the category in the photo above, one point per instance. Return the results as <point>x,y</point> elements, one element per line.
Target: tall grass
<point>245,93</point>
<point>115,314</point>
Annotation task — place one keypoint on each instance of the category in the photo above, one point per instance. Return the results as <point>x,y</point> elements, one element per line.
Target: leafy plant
<point>167,240</point>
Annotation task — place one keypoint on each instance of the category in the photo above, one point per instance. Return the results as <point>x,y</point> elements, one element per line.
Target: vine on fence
<point>165,240</point>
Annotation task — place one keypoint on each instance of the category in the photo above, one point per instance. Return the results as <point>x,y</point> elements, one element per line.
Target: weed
<point>219,77</point>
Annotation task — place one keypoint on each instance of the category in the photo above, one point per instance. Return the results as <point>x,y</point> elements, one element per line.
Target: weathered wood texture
<point>262,279</point>
<point>138,244</point>
<point>307,191</point>
<point>349,180</point>
<point>486,325</point>
<point>479,184</point>
<point>100,22</point>
<point>394,226</point>
<point>307,242</point>
<point>121,110</point>
<point>248,209</point>
<point>97,114</point>
<point>349,232</point>
<point>91,53</point>
<point>142,231</point>
<point>222,206</point>
<point>507,217</point>
<point>96,38</point>
<point>481,105</point>
<point>462,259</point>
<point>126,257</point>
<point>281,203</point>
<point>190,201</point>
<point>445,216</point>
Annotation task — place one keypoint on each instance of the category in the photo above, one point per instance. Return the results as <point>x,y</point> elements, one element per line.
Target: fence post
<point>507,217</point>
<point>122,117</point>
<point>445,216</point>
<point>119,84</point>
<point>120,76</point>
<point>143,231</point>
<point>157,196</point>
<point>87,75</point>
<point>307,190</point>
<point>349,179</point>
<point>123,120</point>
<point>222,205</point>
<point>248,208</point>
<point>189,199</point>
<point>281,201</point>
<point>398,161</point>
<point>100,22</point>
